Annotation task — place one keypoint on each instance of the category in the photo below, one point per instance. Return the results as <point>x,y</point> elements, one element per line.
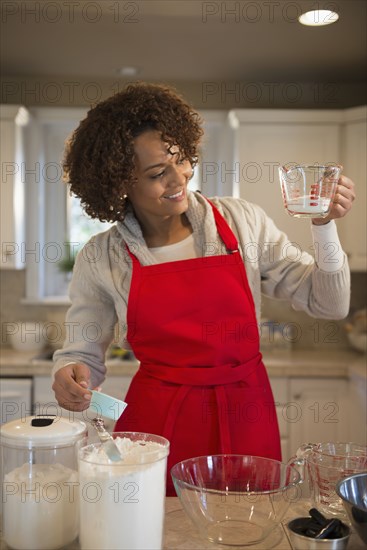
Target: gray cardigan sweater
<point>100,284</point>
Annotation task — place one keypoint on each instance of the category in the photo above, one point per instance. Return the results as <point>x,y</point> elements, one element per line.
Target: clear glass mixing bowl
<point>235,499</point>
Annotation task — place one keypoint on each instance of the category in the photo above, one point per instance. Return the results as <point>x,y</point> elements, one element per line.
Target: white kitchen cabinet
<point>216,151</point>
<point>44,401</point>
<point>312,410</point>
<point>16,398</point>
<point>317,411</point>
<point>12,120</point>
<point>352,228</point>
<point>267,139</point>
<point>358,403</point>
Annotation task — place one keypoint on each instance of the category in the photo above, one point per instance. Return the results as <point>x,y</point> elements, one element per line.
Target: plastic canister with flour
<point>122,503</point>
<point>40,481</point>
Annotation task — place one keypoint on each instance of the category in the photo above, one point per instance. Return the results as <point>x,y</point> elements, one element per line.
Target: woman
<point>173,274</point>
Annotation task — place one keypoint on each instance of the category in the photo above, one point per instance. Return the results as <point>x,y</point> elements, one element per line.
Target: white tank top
<point>183,250</point>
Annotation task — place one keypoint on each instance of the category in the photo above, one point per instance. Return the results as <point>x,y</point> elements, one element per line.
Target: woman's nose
<point>179,173</point>
<point>173,178</point>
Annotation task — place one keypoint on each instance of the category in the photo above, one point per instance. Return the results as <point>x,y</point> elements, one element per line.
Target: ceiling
<point>189,40</point>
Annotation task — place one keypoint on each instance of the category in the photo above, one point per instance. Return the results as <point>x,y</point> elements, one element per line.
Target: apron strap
<point>224,230</point>
<point>173,411</point>
<point>223,420</point>
<point>222,411</point>
<point>135,261</point>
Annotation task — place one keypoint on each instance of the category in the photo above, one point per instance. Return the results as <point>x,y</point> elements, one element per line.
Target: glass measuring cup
<point>308,190</point>
<point>326,464</point>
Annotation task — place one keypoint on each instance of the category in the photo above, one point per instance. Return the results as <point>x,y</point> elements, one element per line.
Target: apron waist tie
<point>173,411</point>
<point>223,416</point>
<point>202,376</point>
<point>216,377</point>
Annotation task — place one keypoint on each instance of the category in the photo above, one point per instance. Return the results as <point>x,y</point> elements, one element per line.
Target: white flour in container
<point>40,506</point>
<point>122,503</point>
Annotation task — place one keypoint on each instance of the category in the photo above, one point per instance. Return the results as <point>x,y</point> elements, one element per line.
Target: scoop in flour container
<point>109,446</point>
<point>109,407</point>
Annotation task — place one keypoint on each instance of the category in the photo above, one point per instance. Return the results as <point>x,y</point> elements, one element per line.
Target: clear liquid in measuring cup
<point>305,205</point>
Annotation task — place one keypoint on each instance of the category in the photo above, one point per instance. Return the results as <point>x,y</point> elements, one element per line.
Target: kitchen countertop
<point>297,363</point>
<point>180,533</point>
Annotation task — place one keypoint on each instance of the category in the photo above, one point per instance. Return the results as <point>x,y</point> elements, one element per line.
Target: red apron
<point>201,382</point>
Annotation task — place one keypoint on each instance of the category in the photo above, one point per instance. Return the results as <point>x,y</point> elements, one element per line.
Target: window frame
<point>46,232</point>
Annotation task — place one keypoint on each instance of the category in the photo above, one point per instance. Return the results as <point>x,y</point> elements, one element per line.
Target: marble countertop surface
<point>181,534</point>
<point>298,363</point>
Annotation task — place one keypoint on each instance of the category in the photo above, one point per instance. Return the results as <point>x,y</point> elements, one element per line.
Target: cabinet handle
<point>297,396</point>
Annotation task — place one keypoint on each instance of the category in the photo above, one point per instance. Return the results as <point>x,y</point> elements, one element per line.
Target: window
<point>47,238</point>
<point>80,226</point>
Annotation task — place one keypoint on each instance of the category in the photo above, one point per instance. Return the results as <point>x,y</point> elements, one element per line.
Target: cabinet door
<point>16,398</point>
<point>44,401</point>
<point>12,119</point>
<point>282,139</point>
<point>358,405</point>
<point>317,411</point>
<point>353,228</point>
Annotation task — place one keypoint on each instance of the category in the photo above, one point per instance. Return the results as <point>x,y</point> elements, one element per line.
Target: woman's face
<point>160,189</point>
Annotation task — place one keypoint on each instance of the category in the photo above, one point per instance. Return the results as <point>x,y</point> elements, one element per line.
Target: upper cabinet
<point>13,120</point>
<point>354,158</point>
<point>266,139</point>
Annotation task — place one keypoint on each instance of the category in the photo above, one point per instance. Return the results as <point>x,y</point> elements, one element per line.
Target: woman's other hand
<point>71,385</point>
<point>343,200</point>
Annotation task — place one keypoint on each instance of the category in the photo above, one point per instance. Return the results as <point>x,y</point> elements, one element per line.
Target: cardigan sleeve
<point>290,273</point>
<point>90,320</point>
<point>278,269</point>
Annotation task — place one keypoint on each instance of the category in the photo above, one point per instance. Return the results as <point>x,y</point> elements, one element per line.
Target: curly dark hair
<point>100,159</point>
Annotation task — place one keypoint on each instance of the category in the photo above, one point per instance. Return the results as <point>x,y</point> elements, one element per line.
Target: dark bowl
<point>300,541</point>
<point>353,492</point>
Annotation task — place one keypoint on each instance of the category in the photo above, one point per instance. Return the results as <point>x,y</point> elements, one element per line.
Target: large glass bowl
<point>235,499</point>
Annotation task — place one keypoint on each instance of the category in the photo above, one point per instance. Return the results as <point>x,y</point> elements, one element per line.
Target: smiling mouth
<point>175,195</point>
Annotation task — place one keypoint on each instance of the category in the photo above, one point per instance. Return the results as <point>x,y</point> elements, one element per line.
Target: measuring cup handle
<point>305,449</point>
<point>299,465</point>
<point>298,461</point>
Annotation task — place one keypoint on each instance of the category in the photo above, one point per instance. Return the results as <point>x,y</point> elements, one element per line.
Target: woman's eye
<point>156,176</point>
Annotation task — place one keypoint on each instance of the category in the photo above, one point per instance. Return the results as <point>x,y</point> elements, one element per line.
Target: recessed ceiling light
<point>318,18</point>
<point>128,71</point>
